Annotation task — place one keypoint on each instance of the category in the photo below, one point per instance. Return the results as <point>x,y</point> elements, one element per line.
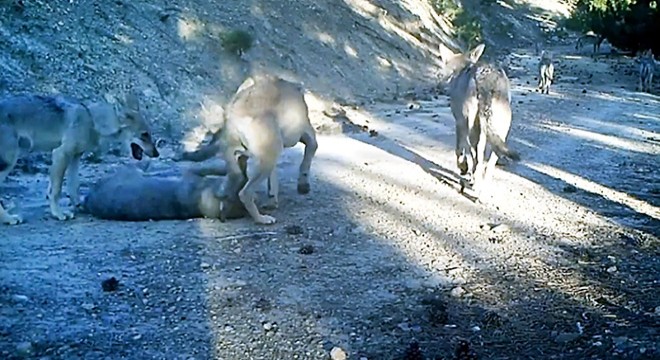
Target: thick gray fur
<point>480,99</point>
<point>131,195</point>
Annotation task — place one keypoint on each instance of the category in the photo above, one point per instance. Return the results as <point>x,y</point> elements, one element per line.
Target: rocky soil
<point>384,259</point>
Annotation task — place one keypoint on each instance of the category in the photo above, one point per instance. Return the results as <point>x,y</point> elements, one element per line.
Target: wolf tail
<point>486,122</point>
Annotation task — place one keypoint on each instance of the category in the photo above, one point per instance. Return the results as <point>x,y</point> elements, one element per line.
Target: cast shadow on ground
<point>206,289</point>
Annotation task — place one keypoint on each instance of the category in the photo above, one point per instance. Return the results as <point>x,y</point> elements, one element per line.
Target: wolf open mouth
<point>136,151</point>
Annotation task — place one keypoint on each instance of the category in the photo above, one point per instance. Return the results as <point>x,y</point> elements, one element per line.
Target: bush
<point>630,25</point>
<point>468,28</point>
<point>236,41</point>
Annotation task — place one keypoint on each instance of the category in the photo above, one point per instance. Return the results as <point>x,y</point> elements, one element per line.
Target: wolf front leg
<point>61,160</point>
<point>73,181</point>
<point>5,216</point>
<point>311,145</point>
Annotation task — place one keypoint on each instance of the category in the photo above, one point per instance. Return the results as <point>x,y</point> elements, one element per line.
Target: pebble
<point>20,298</point>
<point>269,326</point>
<point>499,228</point>
<point>337,353</point>
<point>457,291</point>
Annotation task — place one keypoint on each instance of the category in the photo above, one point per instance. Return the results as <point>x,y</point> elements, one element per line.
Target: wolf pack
<point>265,115</point>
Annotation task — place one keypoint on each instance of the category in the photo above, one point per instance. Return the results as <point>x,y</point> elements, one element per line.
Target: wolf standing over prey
<point>131,195</point>
<point>480,100</point>
<point>68,128</point>
<point>546,72</point>
<point>646,70</point>
<point>590,38</point>
<point>266,115</point>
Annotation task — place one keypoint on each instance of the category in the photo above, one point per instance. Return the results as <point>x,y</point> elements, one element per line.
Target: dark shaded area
<point>630,26</point>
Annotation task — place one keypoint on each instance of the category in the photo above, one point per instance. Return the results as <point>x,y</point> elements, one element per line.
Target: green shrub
<point>468,28</point>
<point>236,41</point>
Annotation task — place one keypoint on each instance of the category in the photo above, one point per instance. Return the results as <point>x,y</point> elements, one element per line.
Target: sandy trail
<point>386,252</point>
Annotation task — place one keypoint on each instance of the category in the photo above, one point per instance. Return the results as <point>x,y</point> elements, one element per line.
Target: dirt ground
<point>559,262</point>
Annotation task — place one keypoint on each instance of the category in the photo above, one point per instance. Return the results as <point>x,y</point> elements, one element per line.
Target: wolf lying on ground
<point>646,70</point>
<point>68,128</point>
<point>590,38</point>
<point>480,100</point>
<point>131,195</point>
<point>266,115</point>
<point>546,72</point>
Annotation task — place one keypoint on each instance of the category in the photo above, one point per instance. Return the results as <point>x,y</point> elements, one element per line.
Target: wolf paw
<point>12,220</point>
<point>303,188</point>
<point>63,215</point>
<point>265,220</point>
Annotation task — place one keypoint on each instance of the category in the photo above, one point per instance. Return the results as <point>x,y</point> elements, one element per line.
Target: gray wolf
<point>131,195</point>
<point>590,38</point>
<point>546,72</point>
<point>265,115</point>
<point>67,128</point>
<point>646,70</point>
<point>480,100</point>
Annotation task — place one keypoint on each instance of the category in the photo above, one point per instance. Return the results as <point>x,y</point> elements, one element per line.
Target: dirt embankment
<point>172,53</point>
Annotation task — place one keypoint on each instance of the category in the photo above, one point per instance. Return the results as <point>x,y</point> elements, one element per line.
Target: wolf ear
<point>476,53</point>
<point>445,53</point>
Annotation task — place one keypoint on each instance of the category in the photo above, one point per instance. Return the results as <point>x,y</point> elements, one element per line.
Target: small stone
<point>205,265</point>
<point>137,337</point>
<point>88,306</point>
<point>499,228</point>
<point>476,329</point>
<point>306,250</point>
<point>457,291</point>
<point>611,269</point>
<point>404,326</point>
<point>20,298</point>
<point>337,353</point>
<point>268,326</point>
<point>657,310</point>
<point>569,189</point>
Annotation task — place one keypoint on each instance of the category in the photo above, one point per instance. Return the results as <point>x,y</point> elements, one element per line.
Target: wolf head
<point>122,119</point>
<point>454,63</point>
<point>135,128</point>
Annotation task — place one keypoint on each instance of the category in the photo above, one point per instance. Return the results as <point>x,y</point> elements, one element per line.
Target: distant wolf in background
<point>646,70</point>
<point>546,72</point>
<point>590,38</point>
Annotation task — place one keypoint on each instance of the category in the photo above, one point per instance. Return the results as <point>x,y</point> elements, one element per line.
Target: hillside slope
<point>171,50</point>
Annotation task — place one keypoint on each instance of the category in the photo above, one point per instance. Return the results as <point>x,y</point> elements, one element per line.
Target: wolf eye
<point>145,135</point>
